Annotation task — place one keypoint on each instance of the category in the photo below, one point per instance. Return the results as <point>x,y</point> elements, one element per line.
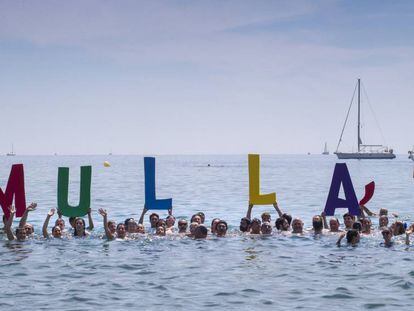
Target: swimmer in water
<point>20,232</point>
<point>200,232</point>
<point>387,236</point>
<point>131,225</point>
<point>266,228</point>
<point>282,224</point>
<point>366,225</point>
<point>193,226</point>
<point>160,231</point>
<point>244,224</point>
<point>255,227</point>
<point>72,220</point>
<point>196,218</point>
<point>352,237</point>
<point>214,222</point>
<point>266,217</point>
<point>383,222</point>
<point>120,230</point>
<point>333,226</point>
<point>317,224</point>
<point>28,228</point>
<point>348,221</point>
<point>80,230</point>
<point>221,228</point>
<point>56,230</point>
<point>141,229</point>
<point>202,216</point>
<point>170,222</point>
<point>397,228</point>
<point>297,226</point>
<point>357,226</point>
<point>182,226</point>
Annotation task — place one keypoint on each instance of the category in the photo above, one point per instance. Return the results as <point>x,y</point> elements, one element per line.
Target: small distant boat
<point>325,150</point>
<point>364,151</point>
<point>11,154</point>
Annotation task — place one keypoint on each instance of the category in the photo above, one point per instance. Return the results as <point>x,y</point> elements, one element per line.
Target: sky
<point>203,77</point>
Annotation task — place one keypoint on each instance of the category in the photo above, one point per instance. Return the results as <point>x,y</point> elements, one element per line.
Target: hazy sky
<point>157,77</point>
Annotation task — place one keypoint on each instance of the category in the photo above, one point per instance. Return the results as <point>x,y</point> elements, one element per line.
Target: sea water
<point>236,272</point>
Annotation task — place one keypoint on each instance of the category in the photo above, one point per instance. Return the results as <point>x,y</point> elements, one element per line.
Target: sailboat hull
<point>366,156</point>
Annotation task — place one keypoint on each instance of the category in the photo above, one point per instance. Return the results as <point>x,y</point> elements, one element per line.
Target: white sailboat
<point>325,150</point>
<point>365,151</point>
<point>11,154</point>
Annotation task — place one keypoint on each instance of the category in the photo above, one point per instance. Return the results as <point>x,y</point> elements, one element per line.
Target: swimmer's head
<point>348,220</point>
<point>182,226</point>
<point>72,221</point>
<point>79,226</point>
<point>130,225</point>
<point>21,234</point>
<point>161,222</point>
<point>255,226</point>
<point>287,217</point>
<point>244,224</point>
<point>121,231</point>
<point>383,221</point>
<point>366,225</point>
<point>196,218</point>
<point>29,229</point>
<point>266,217</point>
<point>170,221</point>
<point>334,224</point>
<point>140,228</point>
<point>282,224</point>
<point>154,217</point>
<point>200,232</point>
<point>61,223</point>
<point>266,228</point>
<point>398,228</point>
<point>387,235</point>
<point>317,223</point>
<point>214,223</point>
<point>160,231</point>
<point>202,216</point>
<point>56,232</point>
<point>352,236</point>
<point>112,226</point>
<point>297,226</point>
<point>383,212</point>
<point>193,226</point>
<point>221,228</point>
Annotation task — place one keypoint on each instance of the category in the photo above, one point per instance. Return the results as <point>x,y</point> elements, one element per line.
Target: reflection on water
<point>238,272</point>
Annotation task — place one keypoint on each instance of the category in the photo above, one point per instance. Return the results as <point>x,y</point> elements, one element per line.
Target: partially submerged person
<point>193,226</point>
<point>387,236</point>
<point>317,224</point>
<point>357,226</point>
<point>182,226</point>
<point>20,232</point>
<point>397,228</point>
<point>196,218</point>
<point>160,230</point>
<point>245,224</point>
<point>297,226</point>
<point>266,228</point>
<point>200,232</point>
<point>56,230</point>
<point>266,217</point>
<point>154,218</point>
<point>170,222</point>
<point>72,220</point>
<point>352,237</point>
<point>214,222</point>
<point>333,225</point>
<point>348,221</point>
<point>130,225</point>
<point>112,232</point>
<point>80,230</point>
<point>221,228</point>
<point>140,229</point>
<point>202,216</point>
<point>28,228</point>
<point>383,222</point>
<point>282,224</point>
<point>366,225</point>
<point>255,226</point>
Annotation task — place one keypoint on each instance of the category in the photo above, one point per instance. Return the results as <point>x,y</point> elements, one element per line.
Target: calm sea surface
<point>237,272</point>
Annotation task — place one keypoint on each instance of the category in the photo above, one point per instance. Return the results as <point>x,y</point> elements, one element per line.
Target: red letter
<point>15,188</point>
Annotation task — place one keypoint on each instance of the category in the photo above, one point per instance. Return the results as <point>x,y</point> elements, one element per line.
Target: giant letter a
<point>14,188</point>
<point>341,176</point>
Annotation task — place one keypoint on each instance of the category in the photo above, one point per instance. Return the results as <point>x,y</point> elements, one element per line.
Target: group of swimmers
<point>354,227</point>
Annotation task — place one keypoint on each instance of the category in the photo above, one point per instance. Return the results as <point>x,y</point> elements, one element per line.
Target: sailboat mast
<point>359,115</point>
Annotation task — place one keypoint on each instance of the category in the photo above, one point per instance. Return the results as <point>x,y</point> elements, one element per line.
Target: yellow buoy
<point>107,164</point>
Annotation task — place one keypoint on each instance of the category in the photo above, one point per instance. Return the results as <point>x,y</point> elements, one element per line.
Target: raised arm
<point>340,239</point>
<point>366,210</point>
<point>104,214</point>
<point>90,220</point>
<point>325,223</point>
<point>9,222</point>
<point>249,212</point>
<point>279,212</point>
<point>30,208</point>
<point>144,211</point>
<point>46,223</point>
<point>362,208</point>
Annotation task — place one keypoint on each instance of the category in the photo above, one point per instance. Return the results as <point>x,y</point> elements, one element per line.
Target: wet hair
<point>201,231</point>
<point>20,229</point>
<point>212,222</point>
<point>120,224</point>
<point>351,234</point>
<point>287,217</point>
<point>127,221</point>
<point>202,216</point>
<point>76,233</point>
<point>256,220</point>
<point>383,212</point>
<point>170,216</point>
<point>72,220</point>
<point>357,226</point>
<point>111,222</point>
<point>161,223</point>
<point>247,220</point>
<point>223,222</point>
<point>55,227</point>
<point>279,222</point>
<point>398,228</point>
<point>154,215</point>
<point>348,214</point>
<point>265,214</point>
<point>192,217</point>
<point>317,224</point>
<point>183,220</point>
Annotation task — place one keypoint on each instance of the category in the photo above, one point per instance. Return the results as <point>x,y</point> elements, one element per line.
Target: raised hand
<point>89,211</point>
<point>51,212</point>
<point>31,207</point>
<point>12,209</point>
<point>59,212</point>
<point>103,212</point>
